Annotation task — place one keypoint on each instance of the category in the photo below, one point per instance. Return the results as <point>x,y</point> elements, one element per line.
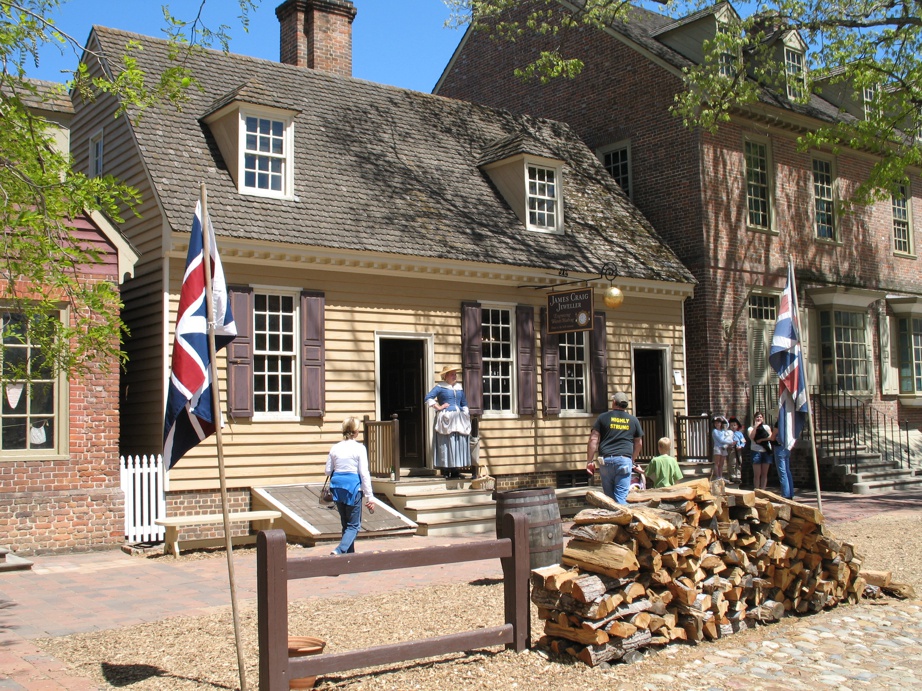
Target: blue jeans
<point>616,477</point>
<point>783,466</point>
<point>351,518</point>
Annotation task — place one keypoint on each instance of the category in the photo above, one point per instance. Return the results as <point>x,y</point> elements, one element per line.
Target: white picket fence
<point>144,482</point>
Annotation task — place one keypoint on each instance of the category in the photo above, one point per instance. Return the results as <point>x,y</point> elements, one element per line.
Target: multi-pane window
<point>617,162</point>
<point>899,203</point>
<point>96,159</point>
<point>498,364</point>
<point>265,156</point>
<point>870,109</point>
<point>542,198</point>
<point>29,412</point>
<point>726,62</point>
<point>274,353</point>
<point>910,355</point>
<point>764,307</point>
<point>573,351</point>
<point>844,350</point>
<point>794,71</point>
<point>823,202</point>
<point>757,184</point>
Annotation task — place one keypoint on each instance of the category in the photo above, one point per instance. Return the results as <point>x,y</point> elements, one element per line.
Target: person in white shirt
<point>350,483</point>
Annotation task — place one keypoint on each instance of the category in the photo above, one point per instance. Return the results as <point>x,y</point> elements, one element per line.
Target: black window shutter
<point>240,354</point>
<point>550,368</point>
<point>472,356</point>
<point>526,359</point>
<point>598,364</point>
<point>313,354</point>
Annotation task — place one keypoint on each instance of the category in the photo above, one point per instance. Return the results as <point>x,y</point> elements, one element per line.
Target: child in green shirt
<point>663,470</point>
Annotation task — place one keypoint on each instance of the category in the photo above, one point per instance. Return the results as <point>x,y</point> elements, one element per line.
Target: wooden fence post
<point>516,574</point>
<point>272,601</point>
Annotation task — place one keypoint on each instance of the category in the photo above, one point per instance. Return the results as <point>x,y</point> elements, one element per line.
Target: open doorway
<point>401,376</point>
<point>652,406</point>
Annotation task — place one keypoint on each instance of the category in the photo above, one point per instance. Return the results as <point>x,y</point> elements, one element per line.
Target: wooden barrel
<point>545,533</point>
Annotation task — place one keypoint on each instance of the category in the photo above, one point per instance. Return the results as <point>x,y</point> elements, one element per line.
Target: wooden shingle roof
<point>385,170</point>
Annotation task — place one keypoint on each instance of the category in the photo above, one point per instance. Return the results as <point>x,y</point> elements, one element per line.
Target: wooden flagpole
<point>803,362</point>
<point>216,413</point>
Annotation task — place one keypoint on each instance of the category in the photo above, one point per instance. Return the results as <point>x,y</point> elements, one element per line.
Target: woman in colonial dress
<point>452,449</point>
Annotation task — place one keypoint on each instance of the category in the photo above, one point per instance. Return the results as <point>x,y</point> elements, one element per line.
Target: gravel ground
<point>198,653</point>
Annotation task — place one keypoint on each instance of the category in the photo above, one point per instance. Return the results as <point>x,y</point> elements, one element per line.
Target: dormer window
<point>869,97</point>
<point>726,61</point>
<point>794,73</point>
<point>256,141</point>
<point>96,159</point>
<point>529,181</point>
<point>265,155</point>
<point>542,198</point>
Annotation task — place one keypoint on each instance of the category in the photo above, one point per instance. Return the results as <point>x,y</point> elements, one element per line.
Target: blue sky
<point>398,42</point>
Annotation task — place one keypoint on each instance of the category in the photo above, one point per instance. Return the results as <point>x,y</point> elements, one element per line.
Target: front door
<point>649,397</point>
<point>402,362</point>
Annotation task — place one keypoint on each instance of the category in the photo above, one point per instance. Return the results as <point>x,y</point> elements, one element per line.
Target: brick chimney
<point>317,34</point>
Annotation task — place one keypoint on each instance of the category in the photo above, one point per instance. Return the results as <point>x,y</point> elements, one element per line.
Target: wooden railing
<point>693,437</point>
<point>382,439</point>
<point>652,431</point>
<point>274,569</point>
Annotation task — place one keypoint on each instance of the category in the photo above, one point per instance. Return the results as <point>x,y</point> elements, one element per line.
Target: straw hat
<point>448,368</point>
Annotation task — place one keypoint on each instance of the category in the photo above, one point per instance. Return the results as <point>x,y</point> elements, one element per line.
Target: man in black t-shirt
<point>616,437</point>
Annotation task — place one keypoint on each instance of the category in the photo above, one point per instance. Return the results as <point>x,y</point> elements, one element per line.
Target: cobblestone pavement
<point>874,645</point>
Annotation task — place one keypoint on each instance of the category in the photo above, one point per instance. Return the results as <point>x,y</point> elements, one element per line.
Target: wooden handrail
<point>275,569</point>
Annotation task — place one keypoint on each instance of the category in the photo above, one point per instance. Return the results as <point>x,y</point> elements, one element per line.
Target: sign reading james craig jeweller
<point>569,311</point>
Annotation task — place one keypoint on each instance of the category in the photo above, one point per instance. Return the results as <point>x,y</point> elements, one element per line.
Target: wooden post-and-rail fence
<point>275,569</point>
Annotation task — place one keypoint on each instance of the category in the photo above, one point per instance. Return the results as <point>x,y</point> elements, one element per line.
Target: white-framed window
<point>909,354</point>
<point>869,96</point>
<point>763,307</point>
<point>96,157</point>
<point>902,221</point>
<point>275,354</point>
<point>794,73</point>
<point>543,197</point>
<point>498,347</point>
<point>617,161</point>
<point>824,213</point>
<point>726,61</point>
<point>844,352</point>
<point>758,184</point>
<point>32,417</point>
<point>573,358</point>
<point>266,154</point>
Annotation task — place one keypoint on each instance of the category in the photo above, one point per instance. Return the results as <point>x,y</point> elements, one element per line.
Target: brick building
<point>734,206</point>
<point>59,444</point>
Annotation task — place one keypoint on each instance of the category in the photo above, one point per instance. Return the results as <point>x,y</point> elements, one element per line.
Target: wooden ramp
<point>303,515</point>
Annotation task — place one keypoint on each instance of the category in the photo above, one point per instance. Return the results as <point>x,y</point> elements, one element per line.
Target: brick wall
<point>73,503</point>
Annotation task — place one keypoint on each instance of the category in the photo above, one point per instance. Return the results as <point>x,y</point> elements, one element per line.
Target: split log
<point>740,497</point>
<point>580,635</point>
<point>903,591</point>
<point>594,655</point>
<point>589,586</point>
<point>551,577</point>
<point>769,610</point>
<point>609,513</point>
<point>598,532</point>
<point>878,578</point>
<point>609,559</point>
<point>804,511</point>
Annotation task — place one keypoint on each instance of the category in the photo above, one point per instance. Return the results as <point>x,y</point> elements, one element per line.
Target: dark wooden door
<point>649,377</point>
<point>402,393</point>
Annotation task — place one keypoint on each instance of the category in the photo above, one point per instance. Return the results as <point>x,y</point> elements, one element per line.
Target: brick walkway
<point>102,590</point>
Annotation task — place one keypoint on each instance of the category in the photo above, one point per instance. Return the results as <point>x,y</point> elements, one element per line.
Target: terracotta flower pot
<point>298,646</point>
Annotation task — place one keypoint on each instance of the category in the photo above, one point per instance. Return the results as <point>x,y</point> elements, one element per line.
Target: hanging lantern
<point>613,297</point>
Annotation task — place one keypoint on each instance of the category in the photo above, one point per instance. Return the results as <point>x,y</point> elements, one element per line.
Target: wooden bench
<point>261,520</point>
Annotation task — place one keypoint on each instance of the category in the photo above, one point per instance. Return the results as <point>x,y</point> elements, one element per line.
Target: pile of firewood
<point>692,562</point>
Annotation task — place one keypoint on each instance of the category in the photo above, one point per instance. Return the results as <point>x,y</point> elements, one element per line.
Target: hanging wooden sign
<point>569,311</point>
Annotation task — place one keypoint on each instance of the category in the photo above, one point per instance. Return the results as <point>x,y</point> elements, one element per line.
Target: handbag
<point>326,495</point>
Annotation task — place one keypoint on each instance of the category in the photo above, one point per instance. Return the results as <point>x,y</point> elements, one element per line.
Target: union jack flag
<point>786,359</point>
<point>189,415</point>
